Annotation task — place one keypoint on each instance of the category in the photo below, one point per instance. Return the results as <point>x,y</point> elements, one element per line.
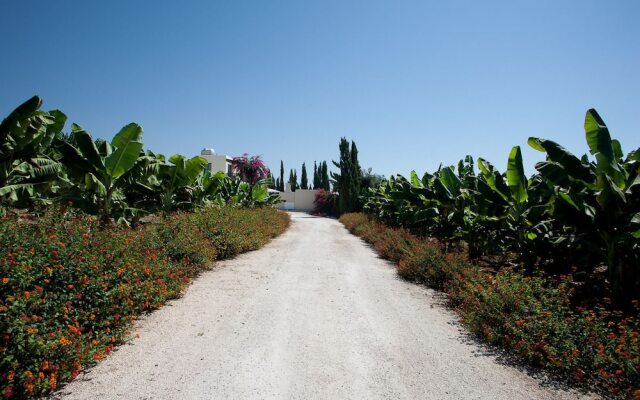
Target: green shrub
<point>69,289</point>
<point>184,240</point>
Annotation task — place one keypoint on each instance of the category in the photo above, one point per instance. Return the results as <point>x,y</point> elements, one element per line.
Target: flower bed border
<point>70,289</point>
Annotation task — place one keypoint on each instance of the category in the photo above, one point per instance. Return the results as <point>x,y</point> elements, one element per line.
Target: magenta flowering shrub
<point>325,203</point>
<point>250,169</point>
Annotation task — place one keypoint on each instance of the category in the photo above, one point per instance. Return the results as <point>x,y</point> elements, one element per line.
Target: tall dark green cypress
<point>356,178</point>
<point>341,178</point>
<point>292,185</point>
<point>348,181</point>
<point>281,188</point>
<point>316,176</point>
<point>324,177</point>
<point>304,183</point>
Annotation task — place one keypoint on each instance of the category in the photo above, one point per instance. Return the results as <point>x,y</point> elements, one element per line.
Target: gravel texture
<point>315,314</point>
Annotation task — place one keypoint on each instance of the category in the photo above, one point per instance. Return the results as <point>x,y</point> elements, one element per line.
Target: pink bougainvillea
<point>250,169</point>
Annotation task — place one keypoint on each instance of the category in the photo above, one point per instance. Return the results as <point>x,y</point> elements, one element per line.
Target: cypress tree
<point>348,181</point>
<point>341,178</point>
<point>292,185</point>
<point>356,178</point>
<point>324,178</point>
<point>281,187</point>
<point>304,184</point>
<point>316,177</point>
<point>293,180</point>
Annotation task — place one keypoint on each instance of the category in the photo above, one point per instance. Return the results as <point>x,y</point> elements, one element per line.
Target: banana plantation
<point>116,180</point>
<point>575,215</point>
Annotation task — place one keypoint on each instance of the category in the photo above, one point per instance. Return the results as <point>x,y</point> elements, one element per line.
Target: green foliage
<point>29,173</point>
<point>370,180</point>
<point>116,180</point>
<point>180,174</point>
<point>574,213</point>
<point>596,203</point>
<point>69,289</point>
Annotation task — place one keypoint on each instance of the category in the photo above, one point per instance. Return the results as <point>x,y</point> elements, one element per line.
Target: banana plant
<point>27,171</point>
<point>141,181</point>
<point>476,221</point>
<point>598,202</point>
<point>98,168</point>
<point>260,195</point>
<point>207,189</point>
<point>525,221</point>
<point>176,181</point>
<point>237,193</point>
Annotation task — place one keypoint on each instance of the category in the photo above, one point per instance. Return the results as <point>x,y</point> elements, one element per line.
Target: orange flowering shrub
<point>531,316</point>
<point>69,289</point>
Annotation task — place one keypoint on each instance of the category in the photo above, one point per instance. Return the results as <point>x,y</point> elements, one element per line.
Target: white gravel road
<point>313,315</point>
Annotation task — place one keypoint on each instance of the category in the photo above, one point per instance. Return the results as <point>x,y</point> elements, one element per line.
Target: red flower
<point>53,382</point>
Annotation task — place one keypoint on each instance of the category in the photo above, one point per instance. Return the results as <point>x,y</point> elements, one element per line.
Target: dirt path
<point>313,315</point>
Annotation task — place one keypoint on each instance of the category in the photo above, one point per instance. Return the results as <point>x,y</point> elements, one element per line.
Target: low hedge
<point>69,289</point>
<point>531,316</point>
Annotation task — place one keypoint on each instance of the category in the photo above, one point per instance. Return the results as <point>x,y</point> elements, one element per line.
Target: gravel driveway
<point>313,315</point>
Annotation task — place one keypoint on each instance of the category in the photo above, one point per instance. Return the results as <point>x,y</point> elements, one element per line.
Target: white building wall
<point>300,200</point>
<point>217,162</point>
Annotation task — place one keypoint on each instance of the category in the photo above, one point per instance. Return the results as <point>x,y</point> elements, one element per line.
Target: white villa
<point>217,162</point>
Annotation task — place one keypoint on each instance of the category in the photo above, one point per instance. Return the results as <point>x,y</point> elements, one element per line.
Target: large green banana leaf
<point>515,176</point>
<point>415,181</point>
<point>494,178</point>
<point>602,147</point>
<point>573,166</point>
<point>450,180</point>
<point>128,144</point>
<point>87,148</point>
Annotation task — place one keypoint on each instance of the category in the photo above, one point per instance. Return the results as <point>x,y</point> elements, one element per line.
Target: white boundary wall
<point>300,200</point>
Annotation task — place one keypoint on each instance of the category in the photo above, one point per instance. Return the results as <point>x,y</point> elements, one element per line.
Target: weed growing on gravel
<point>69,289</point>
<point>532,316</point>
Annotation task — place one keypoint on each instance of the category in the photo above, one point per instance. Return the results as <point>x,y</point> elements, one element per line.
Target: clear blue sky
<point>414,83</point>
